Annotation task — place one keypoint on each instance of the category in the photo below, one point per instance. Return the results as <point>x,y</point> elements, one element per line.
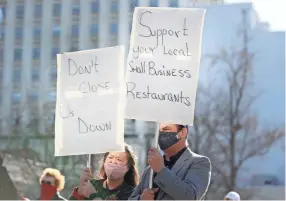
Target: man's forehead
<point>168,126</point>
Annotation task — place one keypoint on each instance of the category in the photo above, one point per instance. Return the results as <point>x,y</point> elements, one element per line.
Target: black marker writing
<point>67,115</point>
<point>148,94</point>
<point>84,127</point>
<point>160,33</point>
<point>87,87</point>
<point>90,68</point>
<point>150,68</point>
<point>138,50</point>
<point>184,27</point>
<point>177,52</point>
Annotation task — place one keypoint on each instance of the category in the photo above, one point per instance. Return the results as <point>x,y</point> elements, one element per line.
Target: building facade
<point>34,31</point>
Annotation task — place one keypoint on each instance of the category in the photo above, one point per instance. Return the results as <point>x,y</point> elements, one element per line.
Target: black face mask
<point>167,139</point>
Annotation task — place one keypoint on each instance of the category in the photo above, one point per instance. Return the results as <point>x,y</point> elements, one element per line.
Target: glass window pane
<point>114,6</point>
<point>57,10</point>
<point>153,3</point>
<point>38,11</point>
<point>95,6</point>
<point>19,32</point>
<point>37,32</point>
<point>18,55</point>
<point>56,30</point>
<point>114,28</point>
<point>35,76</point>
<point>20,12</point>
<point>75,30</point>
<point>16,97</point>
<point>36,53</point>
<point>133,4</point>
<point>76,9</point>
<point>55,51</point>
<point>94,29</point>
<point>174,3</point>
<point>17,76</point>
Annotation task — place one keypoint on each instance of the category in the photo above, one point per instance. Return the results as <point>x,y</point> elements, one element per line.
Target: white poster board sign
<point>90,102</point>
<point>163,64</point>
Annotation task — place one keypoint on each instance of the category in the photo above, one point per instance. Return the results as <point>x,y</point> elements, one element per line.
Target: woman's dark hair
<point>132,176</point>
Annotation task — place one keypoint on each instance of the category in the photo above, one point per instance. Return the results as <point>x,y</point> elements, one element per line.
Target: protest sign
<point>90,102</point>
<point>163,64</point>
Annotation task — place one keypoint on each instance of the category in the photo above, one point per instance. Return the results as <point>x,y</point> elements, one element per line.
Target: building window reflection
<point>55,51</point>
<point>38,11</point>
<point>57,10</point>
<point>94,29</point>
<point>76,9</point>
<point>20,12</point>
<point>18,54</point>
<point>36,53</point>
<point>75,30</point>
<point>113,28</point>
<point>153,3</point>
<point>174,3</point>
<point>95,6</point>
<point>19,33</point>
<point>114,6</point>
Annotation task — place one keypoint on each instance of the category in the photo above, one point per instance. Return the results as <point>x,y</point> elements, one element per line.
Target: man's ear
<point>183,133</point>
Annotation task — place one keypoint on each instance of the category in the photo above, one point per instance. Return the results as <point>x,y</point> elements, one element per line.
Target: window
<point>38,11</point>
<point>76,9</point>
<point>94,29</point>
<point>55,51</point>
<point>95,6</point>
<point>133,4</point>
<point>2,33</point>
<point>54,74</point>
<point>174,3</point>
<point>130,27</point>
<point>17,76</point>
<point>20,12</point>
<point>1,56</point>
<point>18,54</point>
<point>113,28</point>
<point>16,97</point>
<point>75,30</point>
<point>36,53</point>
<point>114,6</point>
<point>37,32</point>
<point>3,11</point>
<point>33,96</point>
<point>153,3</point>
<point>57,10</point>
<point>19,32</point>
<point>35,76</point>
<point>56,30</point>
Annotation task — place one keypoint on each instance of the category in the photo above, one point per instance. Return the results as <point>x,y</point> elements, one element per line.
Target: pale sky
<point>271,11</point>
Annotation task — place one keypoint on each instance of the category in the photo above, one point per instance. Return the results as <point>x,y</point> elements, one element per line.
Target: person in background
<point>232,196</point>
<point>52,182</point>
<point>180,174</point>
<point>118,176</point>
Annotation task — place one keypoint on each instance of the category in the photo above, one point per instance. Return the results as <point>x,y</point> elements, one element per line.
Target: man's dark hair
<point>180,127</point>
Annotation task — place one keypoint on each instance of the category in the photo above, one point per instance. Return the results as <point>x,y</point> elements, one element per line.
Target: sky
<point>271,11</point>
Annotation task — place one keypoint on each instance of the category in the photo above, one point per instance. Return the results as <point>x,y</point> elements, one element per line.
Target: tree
<point>226,128</point>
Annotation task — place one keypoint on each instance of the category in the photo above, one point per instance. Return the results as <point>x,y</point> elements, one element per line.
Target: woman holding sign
<point>118,177</point>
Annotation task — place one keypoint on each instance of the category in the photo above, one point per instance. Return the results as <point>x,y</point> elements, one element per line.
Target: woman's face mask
<point>167,139</point>
<point>48,191</point>
<point>114,171</point>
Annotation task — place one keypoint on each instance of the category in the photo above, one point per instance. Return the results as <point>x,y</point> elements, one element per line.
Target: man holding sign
<point>180,174</point>
<point>161,79</point>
